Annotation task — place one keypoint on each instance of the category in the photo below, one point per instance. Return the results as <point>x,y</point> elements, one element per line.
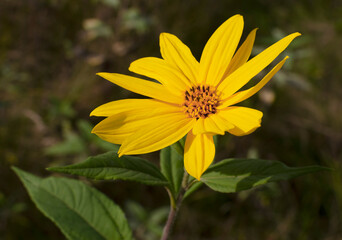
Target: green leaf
<point>172,166</point>
<point>80,211</point>
<point>109,166</point>
<point>233,175</point>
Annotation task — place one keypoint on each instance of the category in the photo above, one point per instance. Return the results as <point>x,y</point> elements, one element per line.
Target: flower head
<point>192,98</point>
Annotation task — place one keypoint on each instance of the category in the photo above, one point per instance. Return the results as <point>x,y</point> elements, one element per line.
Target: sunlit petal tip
<point>94,130</point>
<point>294,35</point>
<point>100,74</point>
<point>130,68</point>
<point>104,75</point>
<point>162,37</point>
<point>120,152</point>
<point>254,32</point>
<point>236,16</point>
<point>196,175</point>
<point>163,34</point>
<point>92,113</point>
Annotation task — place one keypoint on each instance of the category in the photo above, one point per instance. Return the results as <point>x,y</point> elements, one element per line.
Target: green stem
<point>174,208</point>
<point>172,199</point>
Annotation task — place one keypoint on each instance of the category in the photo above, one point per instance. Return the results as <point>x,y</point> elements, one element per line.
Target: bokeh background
<point>50,51</point>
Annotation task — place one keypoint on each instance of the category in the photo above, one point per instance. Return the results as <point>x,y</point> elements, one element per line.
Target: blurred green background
<point>50,51</point>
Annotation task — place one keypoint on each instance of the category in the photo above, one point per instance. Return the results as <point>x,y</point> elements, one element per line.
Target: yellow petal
<point>242,75</point>
<point>240,96</point>
<point>178,54</point>
<point>242,55</point>
<point>114,138</point>
<point>143,87</point>
<point>199,153</point>
<point>245,120</point>
<point>132,106</point>
<point>209,125</point>
<point>159,133</point>
<point>168,75</point>
<point>130,116</point>
<point>219,50</point>
<point>238,132</point>
<point>117,128</point>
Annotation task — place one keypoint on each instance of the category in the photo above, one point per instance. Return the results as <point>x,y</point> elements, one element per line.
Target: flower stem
<point>170,220</point>
<point>174,208</point>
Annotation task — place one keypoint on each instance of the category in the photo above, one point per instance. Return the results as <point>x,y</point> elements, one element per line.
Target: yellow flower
<point>193,98</point>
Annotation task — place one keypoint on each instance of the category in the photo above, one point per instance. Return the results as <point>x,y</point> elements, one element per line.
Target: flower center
<point>200,101</point>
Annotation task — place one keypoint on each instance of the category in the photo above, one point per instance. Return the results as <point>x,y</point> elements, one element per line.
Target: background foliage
<point>50,51</point>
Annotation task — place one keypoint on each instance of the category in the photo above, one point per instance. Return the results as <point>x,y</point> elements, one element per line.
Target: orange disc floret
<point>200,101</point>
